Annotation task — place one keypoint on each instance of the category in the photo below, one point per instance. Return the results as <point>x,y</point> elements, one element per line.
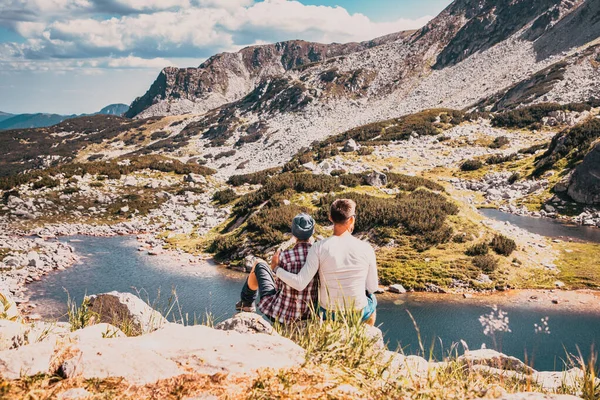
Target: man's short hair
<point>342,210</point>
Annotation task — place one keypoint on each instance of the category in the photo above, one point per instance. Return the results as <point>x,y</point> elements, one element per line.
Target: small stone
<point>397,288</point>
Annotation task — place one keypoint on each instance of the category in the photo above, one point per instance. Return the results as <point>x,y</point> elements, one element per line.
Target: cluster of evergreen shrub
<point>532,116</point>
<point>471,165</point>
<point>111,169</point>
<point>410,183</point>
<point>499,142</point>
<point>503,246</point>
<point>225,196</point>
<point>501,159</point>
<point>255,178</point>
<point>573,144</point>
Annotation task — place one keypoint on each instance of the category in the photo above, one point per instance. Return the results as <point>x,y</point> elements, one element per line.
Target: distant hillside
<point>114,109</point>
<point>4,116</point>
<point>40,120</point>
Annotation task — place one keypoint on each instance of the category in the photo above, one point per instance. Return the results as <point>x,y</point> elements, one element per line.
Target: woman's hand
<point>275,260</point>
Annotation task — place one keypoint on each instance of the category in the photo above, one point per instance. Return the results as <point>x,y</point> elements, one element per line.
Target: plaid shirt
<point>288,304</point>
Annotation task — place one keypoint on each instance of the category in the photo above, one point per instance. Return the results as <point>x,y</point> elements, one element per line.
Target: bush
<point>365,151</point>
<point>224,247</point>
<point>486,263</point>
<point>225,196</point>
<point>228,153</point>
<point>256,178</point>
<point>499,142</point>
<point>45,182</point>
<point>299,182</point>
<point>351,180</point>
<point>112,170</point>
<point>526,116</point>
<point>411,183</point>
<point>71,190</point>
<point>159,135</point>
<point>513,178</point>
<point>422,213</point>
<point>471,165</point>
<point>479,249</point>
<point>573,144</point>
<point>501,159</point>
<point>503,245</point>
<point>270,225</point>
<point>534,149</point>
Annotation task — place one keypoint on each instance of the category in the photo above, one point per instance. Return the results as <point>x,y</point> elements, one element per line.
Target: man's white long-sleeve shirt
<point>347,268</point>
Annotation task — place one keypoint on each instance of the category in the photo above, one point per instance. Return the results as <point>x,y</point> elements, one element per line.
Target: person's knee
<point>372,318</point>
<point>261,268</point>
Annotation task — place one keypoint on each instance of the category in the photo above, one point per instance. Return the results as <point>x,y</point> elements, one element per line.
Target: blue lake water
<point>546,226</point>
<point>115,264</point>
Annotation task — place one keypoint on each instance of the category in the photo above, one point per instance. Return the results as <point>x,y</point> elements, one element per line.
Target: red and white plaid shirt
<point>288,304</point>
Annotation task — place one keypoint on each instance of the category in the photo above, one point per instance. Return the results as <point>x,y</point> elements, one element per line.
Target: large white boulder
<point>26,360</point>
<point>175,350</point>
<point>247,322</point>
<point>494,359</point>
<point>11,334</point>
<point>126,310</point>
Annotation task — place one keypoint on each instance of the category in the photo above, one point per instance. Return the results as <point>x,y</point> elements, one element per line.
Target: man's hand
<point>275,260</point>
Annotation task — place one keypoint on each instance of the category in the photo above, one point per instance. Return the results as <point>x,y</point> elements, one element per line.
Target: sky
<point>77,56</point>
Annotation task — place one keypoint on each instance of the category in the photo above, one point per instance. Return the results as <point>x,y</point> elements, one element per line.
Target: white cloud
<point>154,30</point>
<point>137,62</point>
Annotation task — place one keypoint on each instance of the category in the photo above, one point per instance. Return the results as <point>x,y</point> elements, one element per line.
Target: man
<point>278,301</point>
<point>347,268</point>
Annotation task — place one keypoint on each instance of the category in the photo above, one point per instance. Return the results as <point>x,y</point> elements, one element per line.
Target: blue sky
<point>76,56</point>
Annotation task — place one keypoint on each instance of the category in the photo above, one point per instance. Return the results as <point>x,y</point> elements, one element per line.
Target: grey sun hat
<point>303,226</point>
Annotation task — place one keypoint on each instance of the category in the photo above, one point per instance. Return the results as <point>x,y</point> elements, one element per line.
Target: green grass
<point>580,265</point>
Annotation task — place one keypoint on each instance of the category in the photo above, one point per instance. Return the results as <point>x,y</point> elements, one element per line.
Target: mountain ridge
<point>41,120</point>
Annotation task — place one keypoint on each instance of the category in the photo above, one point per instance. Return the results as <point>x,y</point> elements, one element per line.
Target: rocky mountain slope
<point>228,77</point>
<point>500,54</point>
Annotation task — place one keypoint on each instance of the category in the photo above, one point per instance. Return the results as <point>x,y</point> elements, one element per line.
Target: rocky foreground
<point>119,342</point>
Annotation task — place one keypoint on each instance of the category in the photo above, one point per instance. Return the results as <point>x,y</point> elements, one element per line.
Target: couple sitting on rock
<point>346,266</point>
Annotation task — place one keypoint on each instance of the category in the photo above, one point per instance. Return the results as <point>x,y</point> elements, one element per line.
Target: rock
<point>397,289</point>
<point>537,396</point>
<point>377,179</point>
<point>549,208</point>
<point>194,178</point>
<point>375,334</point>
<point>98,331</point>
<point>175,350</point>
<point>247,323</point>
<point>122,357</point>
<point>75,394</point>
<point>494,359</point>
<point>124,209</point>
<point>33,259</point>
<point>584,186</point>
<point>130,181</point>
<point>350,146</point>
<point>554,380</point>
<point>125,309</point>
<point>12,261</point>
<point>27,360</point>
<point>14,201</point>
<point>559,284</point>
<point>190,216</point>
<point>12,334</point>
